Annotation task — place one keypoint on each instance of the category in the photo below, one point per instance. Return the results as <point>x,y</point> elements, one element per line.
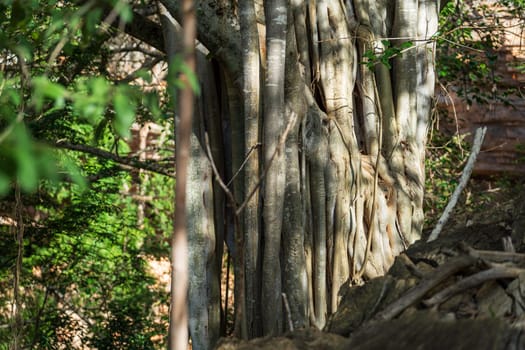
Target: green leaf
<point>406,45</point>
<point>100,88</point>
<point>192,78</point>
<point>43,87</point>
<point>124,113</point>
<point>27,173</point>
<point>92,20</point>
<point>73,172</point>
<point>125,12</point>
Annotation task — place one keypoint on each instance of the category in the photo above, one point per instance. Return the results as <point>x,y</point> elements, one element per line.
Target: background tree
<point>85,241</point>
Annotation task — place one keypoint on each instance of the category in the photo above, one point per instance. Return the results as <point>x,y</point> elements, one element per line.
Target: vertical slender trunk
<point>17,319</point>
<point>178,328</point>
<point>274,111</point>
<point>251,93</point>
<point>405,75</point>
<point>295,285</point>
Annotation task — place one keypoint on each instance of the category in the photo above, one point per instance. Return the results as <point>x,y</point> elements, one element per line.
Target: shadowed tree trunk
<point>339,99</point>
<point>180,251</point>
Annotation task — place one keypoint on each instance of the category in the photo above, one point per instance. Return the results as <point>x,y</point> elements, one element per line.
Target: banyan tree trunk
<point>326,141</point>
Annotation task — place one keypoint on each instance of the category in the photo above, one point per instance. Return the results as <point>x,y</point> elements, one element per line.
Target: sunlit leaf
<point>73,171</point>
<point>126,14</point>
<point>43,87</point>
<point>27,173</point>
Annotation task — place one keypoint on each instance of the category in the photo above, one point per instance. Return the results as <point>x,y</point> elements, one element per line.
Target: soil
<point>466,290</point>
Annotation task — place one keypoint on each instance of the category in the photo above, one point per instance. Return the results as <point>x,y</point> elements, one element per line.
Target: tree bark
<point>251,101</point>
<point>345,195</point>
<point>178,327</point>
<point>274,187</point>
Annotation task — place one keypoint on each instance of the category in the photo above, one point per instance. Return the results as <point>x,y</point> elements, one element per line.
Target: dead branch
<point>417,292</point>
<point>494,256</point>
<point>465,176</point>
<point>494,273</point>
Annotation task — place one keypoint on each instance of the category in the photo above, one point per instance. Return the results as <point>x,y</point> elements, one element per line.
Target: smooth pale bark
<point>405,76</point>
<point>295,285</point>
<point>427,26</point>
<point>204,319</point>
<point>250,215</point>
<point>353,165</point>
<point>274,118</point>
<point>337,79</point>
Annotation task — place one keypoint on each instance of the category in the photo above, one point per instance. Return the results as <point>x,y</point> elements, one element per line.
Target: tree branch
<point>131,162</point>
<point>498,272</point>
<point>145,30</point>
<point>417,292</point>
<point>465,176</point>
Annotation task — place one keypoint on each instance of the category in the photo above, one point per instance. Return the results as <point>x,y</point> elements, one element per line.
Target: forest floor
<point>466,290</point>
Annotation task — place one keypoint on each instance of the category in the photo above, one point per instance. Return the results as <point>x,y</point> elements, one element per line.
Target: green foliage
<point>444,162</point>
<point>51,69</point>
<point>177,68</point>
<point>85,268</point>
<point>85,274</point>
<point>470,34</point>
<point>384,53</point>
<point>469,37</point>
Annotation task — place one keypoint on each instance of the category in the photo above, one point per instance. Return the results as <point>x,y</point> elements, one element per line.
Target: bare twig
<point>278,150</point>
<point>253,148</point>
<point>218,178</point>
<point>494,273</point>
<point>478,141</point>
